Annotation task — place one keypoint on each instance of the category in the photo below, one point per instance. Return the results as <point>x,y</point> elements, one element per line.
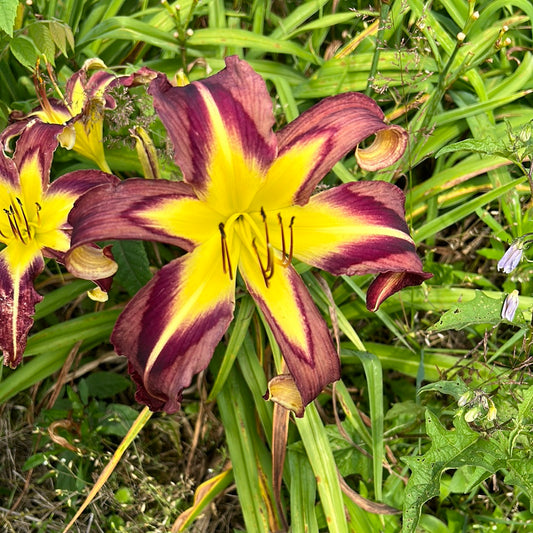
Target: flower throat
<point>18,221</point>
<point>258,236</point>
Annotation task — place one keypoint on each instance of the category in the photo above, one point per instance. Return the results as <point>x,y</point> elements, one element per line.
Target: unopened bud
<point>146,153</point>
<point>473,413</point>
<point>465,398</point>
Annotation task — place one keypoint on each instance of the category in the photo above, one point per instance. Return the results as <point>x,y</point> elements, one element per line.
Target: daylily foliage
<point>33,224</point>
<point>244,211</point>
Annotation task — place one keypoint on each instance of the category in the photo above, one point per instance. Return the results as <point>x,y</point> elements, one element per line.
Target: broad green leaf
<point>42,37</point>
<point>106,384</point>
<point>91,328</point>
<point>481,310</point>
<point>246,39</point>
<point>245,449</point>
<point>452,388</point>
<point>320,455</point>
<point>24,50</point>
<point>482,146</point>
<point>117,420</point>
<point>8,13</point>
<point>450,449</point>
<point>31,372</point>
<point>302,494</point>
<point>62,36</point>
<point>133,266</point>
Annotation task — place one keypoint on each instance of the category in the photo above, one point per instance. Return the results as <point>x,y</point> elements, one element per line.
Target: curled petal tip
<point>90,262</point>
<point>388,283</point>
<point>98,295</point>
<point>283,390</point>
<point>388,146</point>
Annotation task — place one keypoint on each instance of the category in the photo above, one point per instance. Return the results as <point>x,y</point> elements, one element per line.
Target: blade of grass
<point>322,462</point>
<point>139,423</point>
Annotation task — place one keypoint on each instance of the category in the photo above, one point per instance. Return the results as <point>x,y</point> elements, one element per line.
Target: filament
<point>226,260</point>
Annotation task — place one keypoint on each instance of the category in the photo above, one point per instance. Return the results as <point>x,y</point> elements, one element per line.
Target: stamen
<point>226,261</point>
<point>13,224</point>
<point>286,258</point>
<point>291,247</point>
<point>38,211</point>
<point>267,272</point>
<point>24,216</point>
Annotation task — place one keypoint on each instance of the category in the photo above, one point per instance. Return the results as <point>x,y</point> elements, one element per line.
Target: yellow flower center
<point>21,223</point>
<point>252,231</point>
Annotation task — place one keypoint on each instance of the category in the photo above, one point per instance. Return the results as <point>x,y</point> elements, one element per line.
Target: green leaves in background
<point>8,13</point>
<point>481,310</point>
<point>133,266</point>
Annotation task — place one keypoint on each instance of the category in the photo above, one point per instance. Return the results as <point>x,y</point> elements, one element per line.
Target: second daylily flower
<point>246,208</point>
<point>33,224</point>
<point>81,111</point>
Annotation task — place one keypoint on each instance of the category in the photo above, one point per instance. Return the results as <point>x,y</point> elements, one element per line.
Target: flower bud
<point>512,257</point>
<point>510,305</point>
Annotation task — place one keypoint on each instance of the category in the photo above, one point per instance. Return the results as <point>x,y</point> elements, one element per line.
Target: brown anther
<point>226,261</point>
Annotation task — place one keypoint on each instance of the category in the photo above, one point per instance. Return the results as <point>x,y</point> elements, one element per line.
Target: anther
<point>226,261</point>
<point>38,211</point>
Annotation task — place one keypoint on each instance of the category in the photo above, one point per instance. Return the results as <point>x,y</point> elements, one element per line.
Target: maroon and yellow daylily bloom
<point>80,110</point>
<point>245,208</point>
<point>33,224</point>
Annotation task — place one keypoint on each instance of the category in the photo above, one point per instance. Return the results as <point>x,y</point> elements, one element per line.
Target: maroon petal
<point>388,283</point>
<point>233,104</point>
<point>112,212</point>
<point>347,119</point>
<point>37,140</point>
<point>164,350</point>
<point>18,299</point>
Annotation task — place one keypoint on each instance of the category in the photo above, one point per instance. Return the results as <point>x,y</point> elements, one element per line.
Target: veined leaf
<point>8,13</point>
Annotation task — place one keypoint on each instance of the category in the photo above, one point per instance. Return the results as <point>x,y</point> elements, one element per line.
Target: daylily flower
<point>33,223</point>
<point>80,110</point>
<point>245,208</point>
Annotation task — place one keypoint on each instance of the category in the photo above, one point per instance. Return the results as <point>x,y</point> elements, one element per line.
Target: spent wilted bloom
<point>33,224</point>
<point>80,110</point>
<point>510,305</point>
<point>245,210</point>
